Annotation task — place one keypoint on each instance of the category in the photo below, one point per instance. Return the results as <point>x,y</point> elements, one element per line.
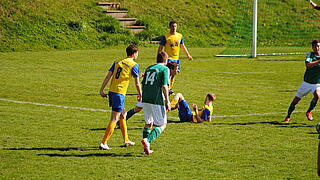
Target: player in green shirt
<point>155,100</point>
<point>311,82</point>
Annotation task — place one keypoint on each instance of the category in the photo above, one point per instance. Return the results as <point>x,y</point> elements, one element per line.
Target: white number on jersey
<point>150,77</point>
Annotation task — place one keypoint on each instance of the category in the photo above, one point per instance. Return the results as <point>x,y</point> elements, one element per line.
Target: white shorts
<point>305,88</point>
<point>155,114</point>
<point>139,104</point>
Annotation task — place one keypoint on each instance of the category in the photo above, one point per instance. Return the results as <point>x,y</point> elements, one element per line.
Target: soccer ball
<point>318,128</point>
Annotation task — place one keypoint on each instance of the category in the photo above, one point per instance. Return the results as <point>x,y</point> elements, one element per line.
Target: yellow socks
<point>108,132</point>
<point>123,127</point>
<point>174,103</point>
<point>172,79</point>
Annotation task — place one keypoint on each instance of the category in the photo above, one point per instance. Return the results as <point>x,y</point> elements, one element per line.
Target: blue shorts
<point>116,101</point>
<point>176,61</point>
<point>185,114</point>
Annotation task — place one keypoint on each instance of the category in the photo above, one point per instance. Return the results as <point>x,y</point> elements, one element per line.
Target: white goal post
<point>271,27</point>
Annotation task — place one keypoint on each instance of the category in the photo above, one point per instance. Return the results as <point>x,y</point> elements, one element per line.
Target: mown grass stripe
<point>104,110</point>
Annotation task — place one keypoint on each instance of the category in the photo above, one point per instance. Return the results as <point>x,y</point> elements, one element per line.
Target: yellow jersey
<point>171,43</point>
<point>123,70</point>
<point>204,113</point>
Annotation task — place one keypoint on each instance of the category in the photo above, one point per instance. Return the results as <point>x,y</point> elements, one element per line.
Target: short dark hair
<point>172,22</point>
<point>211,97</point>
<point>314,42</point>
<point>172,65</point>
<point>131,50</point>
<point>161,57</point>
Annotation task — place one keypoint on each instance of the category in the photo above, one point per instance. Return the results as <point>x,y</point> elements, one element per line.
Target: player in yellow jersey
<point>171,44</point>
<point>120,74</point>
<point>197,115</point>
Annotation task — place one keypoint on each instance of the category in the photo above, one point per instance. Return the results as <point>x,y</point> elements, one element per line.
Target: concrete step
<point>127,21</point>
<point>152,42</point>
<point>135,29</point>
<point>116,13</point>
<point>109,5</point>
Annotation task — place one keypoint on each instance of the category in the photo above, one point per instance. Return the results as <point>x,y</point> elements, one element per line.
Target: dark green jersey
<point>154,78</point>
<point>312,75</point>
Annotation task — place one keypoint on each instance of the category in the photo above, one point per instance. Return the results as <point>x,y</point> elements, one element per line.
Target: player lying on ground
<point>197,115</point>
<point>311,82</point>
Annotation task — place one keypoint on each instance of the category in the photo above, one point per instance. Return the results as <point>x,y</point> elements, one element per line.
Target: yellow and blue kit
<point>123,70</point>
<point>171,43</point>
<point>186,115</point>
<point>204,113</point>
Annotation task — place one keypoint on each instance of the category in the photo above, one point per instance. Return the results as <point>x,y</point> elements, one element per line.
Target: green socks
<point>146,132</point>
<point>154,134</point>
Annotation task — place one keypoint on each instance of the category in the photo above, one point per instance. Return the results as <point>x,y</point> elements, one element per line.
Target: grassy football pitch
<point>52,120</point>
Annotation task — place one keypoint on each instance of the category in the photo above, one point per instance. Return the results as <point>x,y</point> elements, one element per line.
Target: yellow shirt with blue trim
<point>171,43</point>
<point>204,113</point>
<point>123,70</point>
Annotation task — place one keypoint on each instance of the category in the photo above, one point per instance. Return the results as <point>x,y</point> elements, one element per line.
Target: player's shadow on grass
<point>88,155</point>
<point>103,129</point>
<point>170,121</point>
<point>278,59</point>
<point>96,94</point>
<point>278,124</point>
<point>53,149</point>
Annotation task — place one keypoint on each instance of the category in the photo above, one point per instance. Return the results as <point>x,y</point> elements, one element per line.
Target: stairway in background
<point>113,9</point>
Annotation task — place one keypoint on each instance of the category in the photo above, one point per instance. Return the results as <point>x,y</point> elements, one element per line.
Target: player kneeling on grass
<point>155,100</point>
<point>311,82</point>
<point>197,115</point>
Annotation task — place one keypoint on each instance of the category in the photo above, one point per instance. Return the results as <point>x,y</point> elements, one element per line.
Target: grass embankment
<point>61,24</point>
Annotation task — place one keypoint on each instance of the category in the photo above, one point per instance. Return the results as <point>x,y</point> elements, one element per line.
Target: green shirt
<point>312,75</point>
<point>154,78</point>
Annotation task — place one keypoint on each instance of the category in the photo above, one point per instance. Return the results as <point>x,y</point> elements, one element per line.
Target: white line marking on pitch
<point>104,110</point>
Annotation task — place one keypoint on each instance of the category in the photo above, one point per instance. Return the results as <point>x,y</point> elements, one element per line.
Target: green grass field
<point>44,133</point>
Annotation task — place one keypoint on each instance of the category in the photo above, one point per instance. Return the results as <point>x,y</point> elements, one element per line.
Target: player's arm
<point>185,50</point>
<point>312,64</point>
<point>135,73</point>
<point>162,43</point>
<point>138,88</point>
<point>209,119</point>
<point>166,97</point>
<point>160,48</point>
<point>105,82</point>
<point>197,115</point>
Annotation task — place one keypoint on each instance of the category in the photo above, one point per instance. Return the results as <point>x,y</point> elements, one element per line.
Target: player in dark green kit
<point>311,82</point>
<point>155,100</point>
